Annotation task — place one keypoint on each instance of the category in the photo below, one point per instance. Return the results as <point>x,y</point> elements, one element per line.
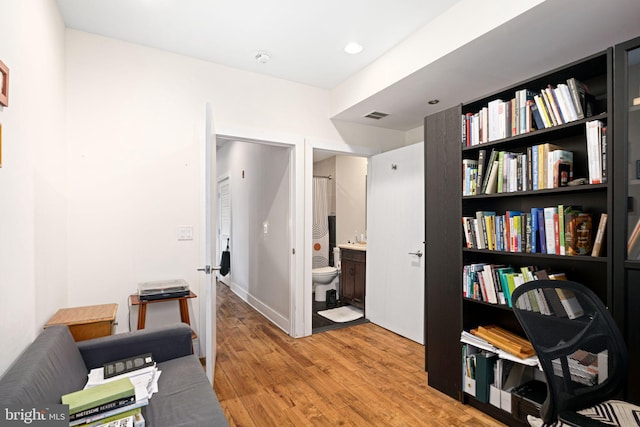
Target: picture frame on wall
<point>4,84</point>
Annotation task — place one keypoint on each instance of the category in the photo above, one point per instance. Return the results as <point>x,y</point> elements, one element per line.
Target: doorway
<point>339,214</point>
<point>256,214</point>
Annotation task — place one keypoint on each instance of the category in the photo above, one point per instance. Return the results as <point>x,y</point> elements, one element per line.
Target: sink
<point>354,246</point>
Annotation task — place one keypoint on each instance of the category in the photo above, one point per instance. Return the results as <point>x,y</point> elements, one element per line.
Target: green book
<point>99,395</point>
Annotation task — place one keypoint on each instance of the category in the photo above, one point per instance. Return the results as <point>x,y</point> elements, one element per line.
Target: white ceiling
<point>305,41</point>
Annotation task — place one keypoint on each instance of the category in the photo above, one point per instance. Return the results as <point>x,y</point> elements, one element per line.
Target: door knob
<point>418,253</point>
<point>208,269</point>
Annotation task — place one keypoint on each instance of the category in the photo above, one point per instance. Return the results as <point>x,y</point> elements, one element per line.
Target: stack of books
<point>107,402</point>
<point>114,394</point>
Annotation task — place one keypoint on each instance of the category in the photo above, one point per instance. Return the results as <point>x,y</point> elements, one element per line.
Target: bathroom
<point>339,190</point>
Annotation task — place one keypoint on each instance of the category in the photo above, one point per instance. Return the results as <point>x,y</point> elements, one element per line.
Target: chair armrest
<point>165,343</point>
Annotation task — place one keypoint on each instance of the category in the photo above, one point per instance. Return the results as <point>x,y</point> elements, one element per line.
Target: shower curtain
<point>320,223</point>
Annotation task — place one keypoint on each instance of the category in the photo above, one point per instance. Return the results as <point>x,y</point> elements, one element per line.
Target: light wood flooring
<point>363,375</point>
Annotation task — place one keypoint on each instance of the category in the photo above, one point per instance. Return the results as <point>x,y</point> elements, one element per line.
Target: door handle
<point>208,269</point>
<point>418,253</point>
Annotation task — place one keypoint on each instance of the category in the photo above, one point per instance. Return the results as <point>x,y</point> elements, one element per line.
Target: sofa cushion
<point>50,367</point>
<point>185,397</point>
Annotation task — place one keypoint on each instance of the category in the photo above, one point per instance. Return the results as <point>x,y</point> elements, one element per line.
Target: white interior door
<point>208,329</point>
<point>395,241</point>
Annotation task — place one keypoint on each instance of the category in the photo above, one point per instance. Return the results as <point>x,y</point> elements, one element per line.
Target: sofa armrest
<point>165,343</point>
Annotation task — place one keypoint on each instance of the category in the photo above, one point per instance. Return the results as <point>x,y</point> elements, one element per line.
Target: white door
<point>208,329</point>
<point>395,241</point>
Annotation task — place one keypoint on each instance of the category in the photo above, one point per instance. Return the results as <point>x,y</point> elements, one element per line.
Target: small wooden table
<point>184,308</point>
<point>87,322</point>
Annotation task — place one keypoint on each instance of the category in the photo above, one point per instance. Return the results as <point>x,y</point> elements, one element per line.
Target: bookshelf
<point>449,146</point>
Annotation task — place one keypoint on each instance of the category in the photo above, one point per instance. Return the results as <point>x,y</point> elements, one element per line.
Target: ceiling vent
<point>375,115</point>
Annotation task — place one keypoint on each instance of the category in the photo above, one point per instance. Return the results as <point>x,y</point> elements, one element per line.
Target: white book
<point>549,229</point>
<point>594,151</point>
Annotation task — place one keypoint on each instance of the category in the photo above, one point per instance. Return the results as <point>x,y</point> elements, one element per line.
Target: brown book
<point>597,244</point>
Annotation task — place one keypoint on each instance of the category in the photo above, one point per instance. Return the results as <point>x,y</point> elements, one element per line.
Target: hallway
<point>360,376</point>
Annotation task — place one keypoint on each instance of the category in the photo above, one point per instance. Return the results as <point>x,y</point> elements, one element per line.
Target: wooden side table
<point>182,301</point>
<point>86,322</point>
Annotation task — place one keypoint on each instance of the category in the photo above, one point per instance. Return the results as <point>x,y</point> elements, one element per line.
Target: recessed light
<point>353,48</point>
<point>434,101</point>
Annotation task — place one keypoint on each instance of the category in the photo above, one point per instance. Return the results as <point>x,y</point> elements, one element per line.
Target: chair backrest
<point>579,346</point>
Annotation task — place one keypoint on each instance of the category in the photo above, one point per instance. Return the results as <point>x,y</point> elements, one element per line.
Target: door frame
<point>296,201</point>
<point>305,297</point>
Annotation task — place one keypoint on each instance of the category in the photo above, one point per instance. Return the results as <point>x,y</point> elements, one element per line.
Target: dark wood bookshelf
<point>448,313</point>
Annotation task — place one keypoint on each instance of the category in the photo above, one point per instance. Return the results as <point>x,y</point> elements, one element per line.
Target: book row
<point>537,167</point>
<point>554,230</point>
<point>527,111</point>
<point>495,283</point>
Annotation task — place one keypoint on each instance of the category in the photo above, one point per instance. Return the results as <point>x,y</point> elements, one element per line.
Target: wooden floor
<point>363,375</point>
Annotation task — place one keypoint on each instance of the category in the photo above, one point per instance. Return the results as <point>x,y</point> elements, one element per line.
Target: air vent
<point>375,115</point>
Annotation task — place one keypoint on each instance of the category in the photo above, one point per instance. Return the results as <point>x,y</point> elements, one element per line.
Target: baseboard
<point>276,318</point>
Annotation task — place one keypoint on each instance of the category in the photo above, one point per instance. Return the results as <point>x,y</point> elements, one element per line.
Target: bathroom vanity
<point>353,281</point>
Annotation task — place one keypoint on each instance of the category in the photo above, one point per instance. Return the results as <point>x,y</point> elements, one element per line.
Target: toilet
<point>326,278</point>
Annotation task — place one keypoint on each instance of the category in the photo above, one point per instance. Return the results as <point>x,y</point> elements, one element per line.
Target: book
<point>570,303</point>
<point>597,243</point>
<point>469,171</point>
<point>136,413</point>
<point>553,301</point>
<point>603,152</point>
<point>537,117</point>
<point>541,238</point>
<point>594,151</point>
<point>487,171</point>
<point>100,398</point>
<point>581,243</point>
<point>481,170</point>
<point>549,228</point>
<point>560,164</point>
<point>583,100</point>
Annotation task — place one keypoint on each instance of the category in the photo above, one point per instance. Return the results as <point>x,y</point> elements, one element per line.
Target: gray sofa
<point>54,364</point>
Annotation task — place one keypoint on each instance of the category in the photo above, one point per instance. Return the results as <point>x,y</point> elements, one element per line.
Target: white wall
<point>33,226</point>
<point>259,177</point>
<point>134,156</point>
<point>351,205</point>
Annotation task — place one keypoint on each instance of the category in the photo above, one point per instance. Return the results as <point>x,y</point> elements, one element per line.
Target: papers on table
<point>144,380</point>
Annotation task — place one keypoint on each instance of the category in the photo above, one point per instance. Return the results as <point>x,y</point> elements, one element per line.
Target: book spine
<point>597,244</point>
<point>114,404</point>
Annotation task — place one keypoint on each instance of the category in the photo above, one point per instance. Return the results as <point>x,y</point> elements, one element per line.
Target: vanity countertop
<point>354,246</point>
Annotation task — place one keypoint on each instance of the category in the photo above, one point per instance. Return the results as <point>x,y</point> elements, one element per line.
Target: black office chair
<point>581,351</point>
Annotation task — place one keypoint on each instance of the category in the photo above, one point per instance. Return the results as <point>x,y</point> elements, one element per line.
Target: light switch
<point>185,232</point>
